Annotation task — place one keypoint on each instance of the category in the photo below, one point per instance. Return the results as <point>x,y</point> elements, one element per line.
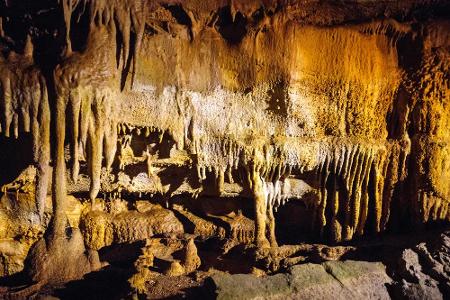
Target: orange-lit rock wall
<point>342,109</point>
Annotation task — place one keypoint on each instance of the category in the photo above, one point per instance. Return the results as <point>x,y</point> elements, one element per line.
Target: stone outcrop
<point>424,270</point>
<point>337,280</point>
<point>102,229</point>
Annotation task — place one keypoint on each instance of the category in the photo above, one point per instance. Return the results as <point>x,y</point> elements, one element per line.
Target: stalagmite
<point>260,206</point>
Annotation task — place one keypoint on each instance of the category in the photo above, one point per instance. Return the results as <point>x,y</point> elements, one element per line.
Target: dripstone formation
<point>171,141</point>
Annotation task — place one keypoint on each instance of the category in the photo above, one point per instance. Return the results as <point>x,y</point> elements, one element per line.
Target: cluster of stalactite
<point>124,17</point>
<point>87,88</point>
<point>91,106</point>
<point>273,157</point>
<point>219,158</point>
<point>355,181</point>
<point>25,109</point>
<point>267,169</point>
<point>86,85</point>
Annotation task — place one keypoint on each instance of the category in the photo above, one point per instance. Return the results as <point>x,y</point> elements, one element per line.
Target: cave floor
<point>401,264</point>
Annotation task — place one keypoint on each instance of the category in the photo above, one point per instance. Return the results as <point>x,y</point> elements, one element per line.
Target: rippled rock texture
<point>252,123</point>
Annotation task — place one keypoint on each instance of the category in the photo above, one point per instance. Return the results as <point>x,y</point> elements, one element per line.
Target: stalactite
<point>349,179</point>
<point>67,8</point>
<point>364,207</point>
<point>220,179</point>
<point>41,130</point>
<point>75,106</point>
<point>94,130</point>
<point>124,28</point>
<point>324,174</point>
<point>59,173</point>
<point>110,143</point>
<point>334,203</point>
<point>96,137</point>
<point>6,103</point>
<point>379,187</point>
<point>85,116</point>
<point>361,192</point>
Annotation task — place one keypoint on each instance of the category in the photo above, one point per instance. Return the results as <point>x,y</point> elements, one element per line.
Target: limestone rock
<point>175,269</point>
<point>101,229</point>
<point>97,229</point>
<point>191,261</point>
<point>65,261</point>
<point>13,254</point>
<point>331,280</point>
<point>21,227</point>
<point>143,274</point>
<point>424,270</point>
<point>201,227</point>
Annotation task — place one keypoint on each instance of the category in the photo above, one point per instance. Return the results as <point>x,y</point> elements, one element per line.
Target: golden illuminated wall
<point>251,100</point>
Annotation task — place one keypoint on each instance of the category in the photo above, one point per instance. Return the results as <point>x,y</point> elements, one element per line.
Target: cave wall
<point>342,108</point>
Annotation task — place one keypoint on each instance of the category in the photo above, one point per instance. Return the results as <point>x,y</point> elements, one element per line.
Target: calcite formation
<point>195,119</point>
